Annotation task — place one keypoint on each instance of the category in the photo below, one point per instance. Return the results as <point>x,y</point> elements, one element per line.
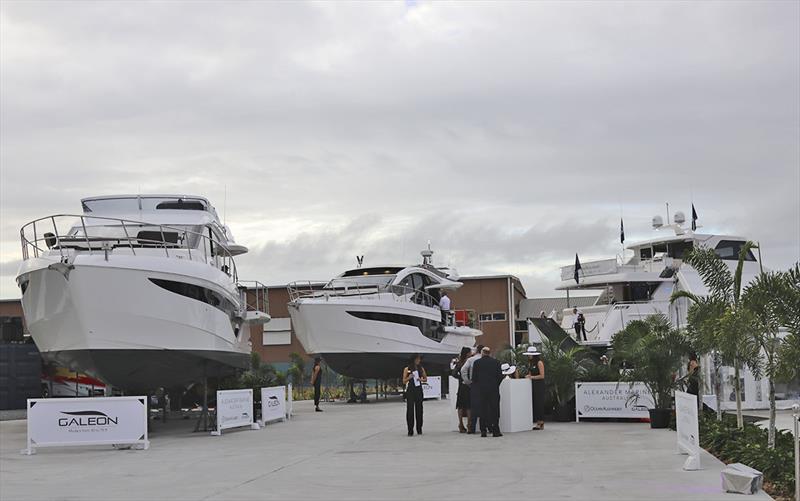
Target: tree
<point>297,370</point>
<point>761,297</point>
<point>653,352</point>
<point>727,329</point>
<point>562,370</point>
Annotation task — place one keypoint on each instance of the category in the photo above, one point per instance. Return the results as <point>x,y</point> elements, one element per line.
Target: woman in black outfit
<point>536,375</point>
<point>463,403</point>
<point>413,377</point>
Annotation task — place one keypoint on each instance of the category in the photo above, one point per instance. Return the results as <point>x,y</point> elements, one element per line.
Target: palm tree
<point>297,370</point>
<point>725,328</point>
<point>653,352</point>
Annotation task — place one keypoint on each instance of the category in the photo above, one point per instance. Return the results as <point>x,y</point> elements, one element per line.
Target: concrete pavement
<point>362,452</point>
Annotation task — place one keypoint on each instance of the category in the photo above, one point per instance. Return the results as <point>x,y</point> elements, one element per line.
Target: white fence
<point>60,422</point>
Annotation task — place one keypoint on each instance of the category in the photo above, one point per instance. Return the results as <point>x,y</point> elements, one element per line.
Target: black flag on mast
<point>694,218</point>
<point>577,267</point>
<point>621,232</point>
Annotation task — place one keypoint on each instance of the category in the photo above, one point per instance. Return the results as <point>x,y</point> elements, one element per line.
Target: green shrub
<point>749,446</point>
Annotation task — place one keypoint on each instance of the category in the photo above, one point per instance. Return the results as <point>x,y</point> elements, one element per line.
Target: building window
<point>498,316</point>
<point>277,332</point>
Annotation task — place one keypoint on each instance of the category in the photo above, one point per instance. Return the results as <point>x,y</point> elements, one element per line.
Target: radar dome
<point>658,222</point>
<point>680,217</point>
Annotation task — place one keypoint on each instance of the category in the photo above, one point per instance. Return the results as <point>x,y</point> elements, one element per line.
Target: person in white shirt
<point>444,305</point>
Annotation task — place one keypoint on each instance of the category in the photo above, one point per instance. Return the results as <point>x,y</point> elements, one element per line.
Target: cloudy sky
<point>510,135</point>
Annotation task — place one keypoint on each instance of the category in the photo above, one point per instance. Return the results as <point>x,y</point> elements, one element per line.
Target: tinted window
<point>646,253</point>
<point>678,249</point>
<point>730,249</point>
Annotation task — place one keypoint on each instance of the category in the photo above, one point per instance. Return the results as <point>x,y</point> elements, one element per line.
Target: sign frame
<point>621,392</point>
<point>278,392</point>
<point>142,443</point>
<point>688,429</point>
<point>221,426</point>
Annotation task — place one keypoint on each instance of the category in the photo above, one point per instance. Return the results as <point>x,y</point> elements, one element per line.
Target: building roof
<point>534,306</point>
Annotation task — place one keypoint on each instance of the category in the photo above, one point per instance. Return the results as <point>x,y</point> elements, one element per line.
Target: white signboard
<point>588,269</point>
<point>234,409</point>
<point>56,422</point>
<point>612,400</point>
<point>433,388</point>
<point>688,429</point>
<point>273,404</point>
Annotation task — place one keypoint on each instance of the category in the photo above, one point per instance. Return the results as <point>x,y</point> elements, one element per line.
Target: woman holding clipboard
<point>413,377</point>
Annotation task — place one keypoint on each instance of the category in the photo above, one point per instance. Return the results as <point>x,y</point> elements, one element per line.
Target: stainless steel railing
<point>37,240</point>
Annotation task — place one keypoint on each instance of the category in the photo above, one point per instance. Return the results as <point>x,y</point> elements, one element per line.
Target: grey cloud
<point>505,118</point>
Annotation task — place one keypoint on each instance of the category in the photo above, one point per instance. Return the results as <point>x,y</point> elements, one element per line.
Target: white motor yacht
<point>367,322</point>
<point>140,291</point>
<point>641,285</point>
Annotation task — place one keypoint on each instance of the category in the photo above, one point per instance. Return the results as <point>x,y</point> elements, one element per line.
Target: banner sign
<point>433,388</point>
<point>591,268</point>
<point>273,404</point>
<point>234,409</point>
<point>612,400</point>
<point>688,429</point>
<point>55,422</point>
<point>452,386</point>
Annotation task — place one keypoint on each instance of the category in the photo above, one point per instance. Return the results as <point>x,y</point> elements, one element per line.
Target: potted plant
<point>562,369</point>
<point>652,352</point>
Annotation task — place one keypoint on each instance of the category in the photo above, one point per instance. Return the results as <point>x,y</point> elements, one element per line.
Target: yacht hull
<point>115,323</point>
<point>369,339</point>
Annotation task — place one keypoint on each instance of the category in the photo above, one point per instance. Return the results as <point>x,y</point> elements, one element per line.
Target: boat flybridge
<point>140,291</point>
<point>642,285</point>
<point>368,321</point>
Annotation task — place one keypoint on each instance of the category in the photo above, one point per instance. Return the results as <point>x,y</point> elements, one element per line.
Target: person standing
<point>487,376</point>
<point>316,381</point>
<point>474,394</point>
<point>462,397</point>
<point>579,324</point>
<point>413,376</point>
<point>536,375</point>
<point>444,305</point>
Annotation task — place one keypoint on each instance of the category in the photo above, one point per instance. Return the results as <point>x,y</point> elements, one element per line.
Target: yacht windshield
<point>363,281</point>
<point>135,204</point>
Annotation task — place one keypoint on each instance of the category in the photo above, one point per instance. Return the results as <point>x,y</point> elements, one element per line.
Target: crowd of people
<point>479,375</point>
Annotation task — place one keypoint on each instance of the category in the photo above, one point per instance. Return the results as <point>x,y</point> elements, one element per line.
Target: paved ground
<point>362,452</point>
<point>783,419</point>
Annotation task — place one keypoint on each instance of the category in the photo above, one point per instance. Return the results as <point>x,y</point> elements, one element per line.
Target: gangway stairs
<point>550,329</point>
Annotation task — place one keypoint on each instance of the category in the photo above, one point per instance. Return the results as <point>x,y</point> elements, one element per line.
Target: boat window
<point>659,248</point>
<point>418,283</point>
<point>360,272</point>
<point>730,249</point>
<point>135,204</point>
<point>678,249</point>
<point>645,253</point>
<point>197,293</point>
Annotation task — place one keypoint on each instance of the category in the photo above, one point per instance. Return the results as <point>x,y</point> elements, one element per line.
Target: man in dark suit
<point>487,375</point>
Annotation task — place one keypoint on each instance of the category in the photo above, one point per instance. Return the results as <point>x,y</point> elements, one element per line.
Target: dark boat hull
<point>384,365</point>
<point>146,370</point>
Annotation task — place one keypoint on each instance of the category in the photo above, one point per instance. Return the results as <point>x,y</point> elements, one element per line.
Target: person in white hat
<point>509,371</point>
<point>536,375</point>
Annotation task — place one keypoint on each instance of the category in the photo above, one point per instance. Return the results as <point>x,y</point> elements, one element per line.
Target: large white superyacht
<point>140,291</point>
<point>641,285</point>
<point>366,322</point>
